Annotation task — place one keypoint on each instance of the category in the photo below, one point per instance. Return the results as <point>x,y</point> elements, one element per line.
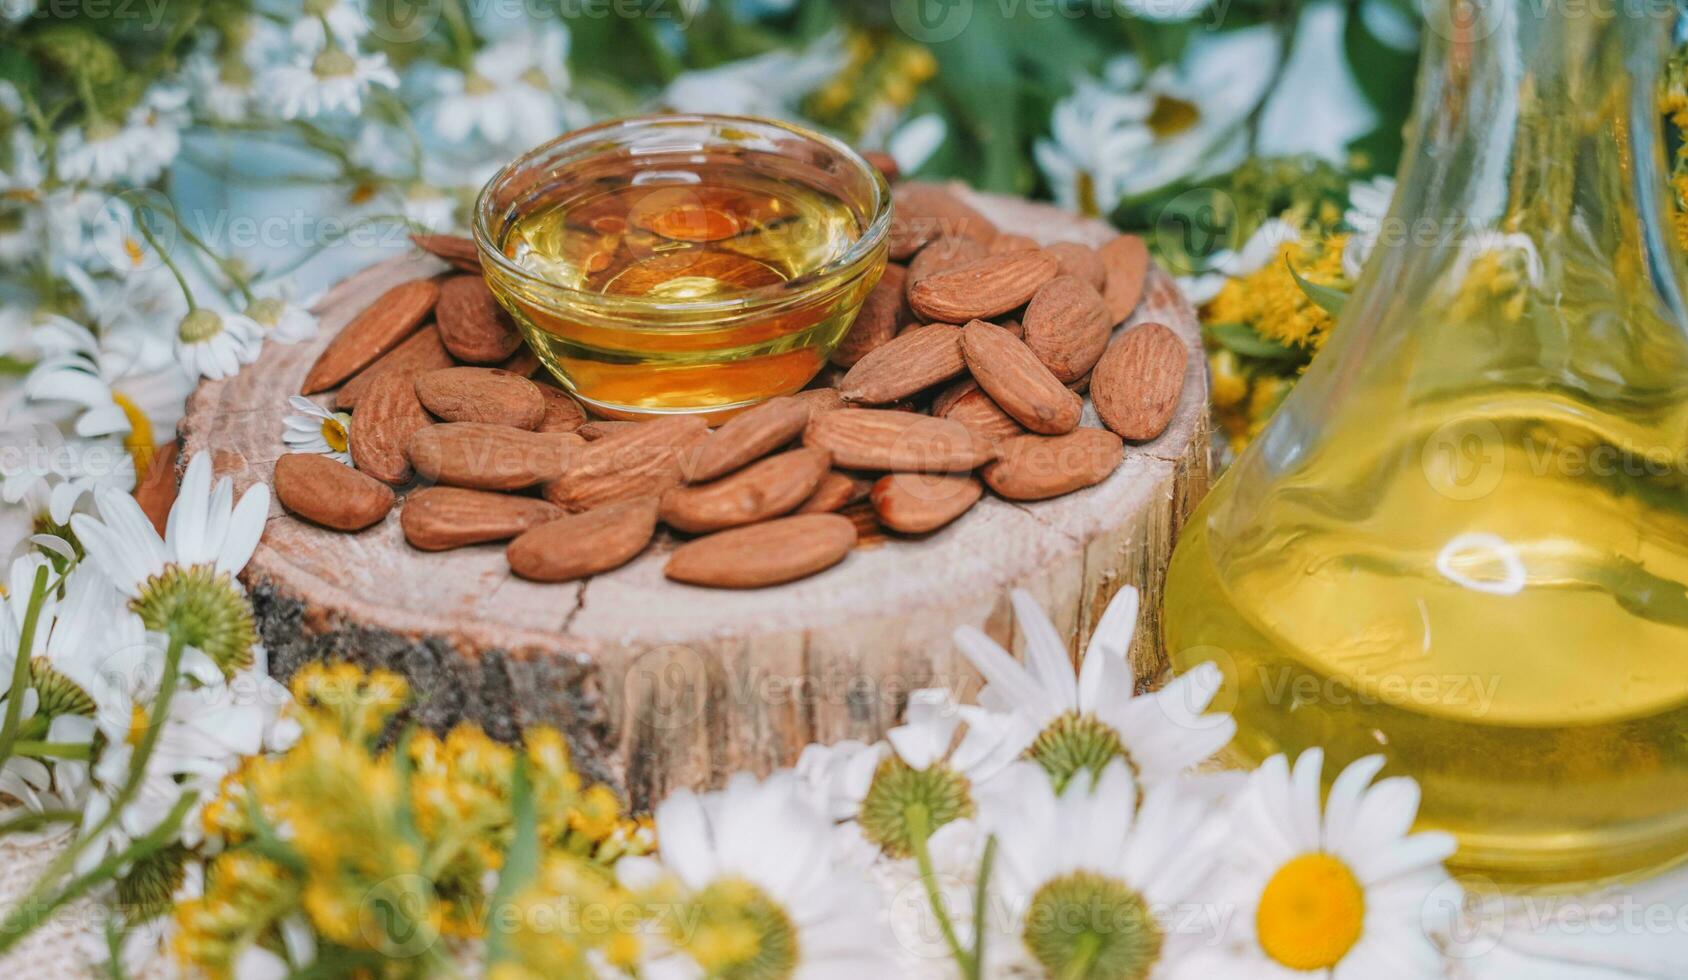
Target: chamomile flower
<point>1087,881</point>
<point>342,20</point>
<point>49,473</point>
<point>1368,204</point>
<point>505,98</point>
<point>768,84</point>
<point>183,583</point>
<point>283,320</point>
<point>212,344</point>
<point>1335,895</point>
<point>838,775</point>
<point>24,170</point>
<point>314,429</point>
<point>333,82</point>
<point>134,152</point>
<point>1069,722</point>
<point>762,898</point>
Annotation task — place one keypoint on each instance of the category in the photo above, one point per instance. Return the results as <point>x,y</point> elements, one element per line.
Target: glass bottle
<point>1463,540</point>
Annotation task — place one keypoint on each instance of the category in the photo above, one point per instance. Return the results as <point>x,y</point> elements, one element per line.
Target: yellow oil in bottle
<point>704,278</point>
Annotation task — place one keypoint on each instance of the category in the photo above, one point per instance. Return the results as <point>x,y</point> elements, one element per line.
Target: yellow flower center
<point>1172,116</point>
<point>334,432</point>
<point>137,725</point>
<point>133,250</point>
<point>1311,913</point>
<point>139,440</point>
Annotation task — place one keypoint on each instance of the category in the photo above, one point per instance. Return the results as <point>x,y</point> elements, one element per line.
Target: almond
<point>456,249</point>
<point>836,491</point>
<point>943,255</point>
<point>1081,262</point>
<point>474,327</point>
<point>422,353</point>
<point>922,212</point>
<point>1012,243</point>
<point>883,313</point>
<point>477,394</point>
<point>522,364</point>
<point>329,493</point>
<point>562,412</point>
<point>1036,467</point>
<point>1017,381</point>
<point>983,288</point>
<point>491,457</point>
<point>746,437</point>
<point>1127,260</point>
<point>584,544</point>
<point>764,489</point>
<point>440,518</point>
<point>1012,325</point>
<point>597,429</point>
<point>387,416</point>
<point>764,554</point>
<point>916,360</point>
<point>885,163</point>
<point>818,400</point>
<point>967,403</point>
<point>915,503</point>
<point>643,461</point>
<point>375,331</point>
<point>877,439</point>
<point>1138,381</point>
<point>1066,326</point>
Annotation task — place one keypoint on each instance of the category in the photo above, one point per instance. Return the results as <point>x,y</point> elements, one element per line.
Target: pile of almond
<point>965,369</point>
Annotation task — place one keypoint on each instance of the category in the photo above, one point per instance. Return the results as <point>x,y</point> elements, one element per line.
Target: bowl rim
<point>755,300</point>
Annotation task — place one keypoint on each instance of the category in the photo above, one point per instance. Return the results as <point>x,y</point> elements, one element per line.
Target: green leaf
<point>1241,340</point>
<point>1326,298</point>
<point>521,861</point>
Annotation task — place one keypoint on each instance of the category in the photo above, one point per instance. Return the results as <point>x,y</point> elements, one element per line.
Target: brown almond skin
<point>481,456</point>
<point>643,461</point>
<point>923,212</point>
<point>882,439</point>
<point>422,353</point>
<point>983,288</point>
<point>522,363</point>
<point>477,394</point>
<point>473,326</point>
<point>818,400</point>
<point>589,543</point>
<point>967,403</point>
<point>1138,381</point>
<point>331,494</point>
<point>156,492</point>
<point>1066,325</point>
<point>596,429</point>
<point>1126,258</point>
<point>916,360</point>
<point>1034,467</point>
<point>943,255</point>
<point>918,503</point>
<point>1017,381</point>
<point>1012,243</point>
<point>456,249</point>
<point>883,314</point>
<point>764,489</point>
<point>562,412</point>
<point>747,437</point>
<point>760,555</point>
<point>835,492</point>
<point>1081,262</point>
<point>442,518</point>
<point>378,329</point>
<point>387,416</point>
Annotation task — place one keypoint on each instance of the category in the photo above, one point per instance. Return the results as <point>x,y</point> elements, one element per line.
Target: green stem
<point>1083,958</point>
<point>56,750</point>
<point>169,263</point>
<point>981,908</point>
<point>22,920</point>
<point>25,822</point>
<point>462,35</point>
<point>20,666</point>
<point>920,828</point>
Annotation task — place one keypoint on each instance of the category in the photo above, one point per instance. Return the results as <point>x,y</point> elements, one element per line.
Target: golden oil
<point>655,281</point>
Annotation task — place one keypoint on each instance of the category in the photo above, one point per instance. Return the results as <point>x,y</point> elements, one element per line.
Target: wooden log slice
<point>660,685</point>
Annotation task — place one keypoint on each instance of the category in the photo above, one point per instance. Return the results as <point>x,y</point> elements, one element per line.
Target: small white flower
<point>344,20</point>
<point>768,85</point>
<point>283,320</point>
<point>23,169</point>
<point>507,98</point>
<point>1069,722</point>
<point>314,429</point>
<point>334,82</point>
<point>1331,896</point>
<point>915,141</point>
<point>110,397</point>
<point>211,344</point>
<point>1368,205</point>
<point>838,775</point>
<point>135,152</point>
<point>1090,881</point>
<point>763,842</point>
<point>46,470</point>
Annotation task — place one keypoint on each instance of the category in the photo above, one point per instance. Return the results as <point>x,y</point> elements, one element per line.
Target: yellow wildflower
<point>1273,304</point>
